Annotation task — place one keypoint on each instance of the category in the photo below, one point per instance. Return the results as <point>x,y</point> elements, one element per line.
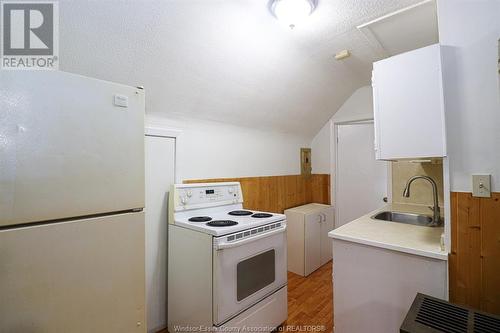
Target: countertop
<point>413,239</point>
<point>308,208</point>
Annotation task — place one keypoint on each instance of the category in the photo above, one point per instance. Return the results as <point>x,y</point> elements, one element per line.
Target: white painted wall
<point>216,150</point>
<point>469,30</point>
<point>320,150</point>
<point>359,106</point>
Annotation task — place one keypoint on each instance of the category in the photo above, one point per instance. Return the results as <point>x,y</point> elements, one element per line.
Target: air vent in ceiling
<point>431,315</point>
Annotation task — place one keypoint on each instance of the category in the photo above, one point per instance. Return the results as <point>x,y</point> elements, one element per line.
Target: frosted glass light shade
<point>292,12</point>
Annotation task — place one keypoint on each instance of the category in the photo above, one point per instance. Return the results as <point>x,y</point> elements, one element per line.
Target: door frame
<point>334,126</point>
<point>169,133</point>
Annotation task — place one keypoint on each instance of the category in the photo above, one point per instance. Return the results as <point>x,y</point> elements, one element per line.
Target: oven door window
<point>255,273</point>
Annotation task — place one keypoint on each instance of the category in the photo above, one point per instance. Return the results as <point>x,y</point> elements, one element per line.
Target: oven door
<point>248,266</point>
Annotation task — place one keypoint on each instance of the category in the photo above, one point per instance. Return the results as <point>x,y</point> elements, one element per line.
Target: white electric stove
<point>227,265</point>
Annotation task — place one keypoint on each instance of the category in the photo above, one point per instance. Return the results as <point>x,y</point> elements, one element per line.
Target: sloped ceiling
<point>225,60</point>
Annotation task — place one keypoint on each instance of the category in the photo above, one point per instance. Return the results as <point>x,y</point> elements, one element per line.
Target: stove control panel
<point>190,196</point>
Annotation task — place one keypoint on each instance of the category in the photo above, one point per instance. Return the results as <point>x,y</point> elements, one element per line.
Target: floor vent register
<point>432,315</point>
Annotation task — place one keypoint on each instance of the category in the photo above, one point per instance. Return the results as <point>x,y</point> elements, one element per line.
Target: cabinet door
<point>312,244</point>
<point>326,243</point>
<point>408,105</point>
<point>295,242</point>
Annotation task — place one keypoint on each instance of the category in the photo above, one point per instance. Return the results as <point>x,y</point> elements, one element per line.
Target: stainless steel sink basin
<point>407,218</point>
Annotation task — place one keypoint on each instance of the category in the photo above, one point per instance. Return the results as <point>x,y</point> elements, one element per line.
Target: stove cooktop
<point>262,215</point>
<point>206,220</point>
<point>249,213</point>
<point>200,219</point>
<point>240,212</point>
<point>222,223</point>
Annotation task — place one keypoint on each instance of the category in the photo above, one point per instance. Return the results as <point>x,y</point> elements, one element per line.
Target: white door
<point>312,246</point>
<point>360,179</point>
<point>160,163</point>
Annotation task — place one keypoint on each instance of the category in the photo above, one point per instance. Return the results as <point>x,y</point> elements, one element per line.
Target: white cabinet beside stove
<point>308,244</point>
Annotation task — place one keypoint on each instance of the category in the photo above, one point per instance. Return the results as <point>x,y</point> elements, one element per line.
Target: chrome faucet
<point>437,212</point>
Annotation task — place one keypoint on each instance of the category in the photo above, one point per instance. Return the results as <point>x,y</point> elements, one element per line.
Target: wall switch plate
<point>481,186</point>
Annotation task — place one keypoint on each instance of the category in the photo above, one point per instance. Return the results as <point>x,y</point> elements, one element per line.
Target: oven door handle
<point>250,239</point>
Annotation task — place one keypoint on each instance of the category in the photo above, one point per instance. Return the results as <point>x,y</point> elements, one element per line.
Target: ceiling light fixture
<point>292,12</point>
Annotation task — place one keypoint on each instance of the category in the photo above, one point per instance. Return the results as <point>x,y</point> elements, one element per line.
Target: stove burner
<point>222,223</point>
<point>261,215</point>
<point>240,212</point>
<point>200,219</point>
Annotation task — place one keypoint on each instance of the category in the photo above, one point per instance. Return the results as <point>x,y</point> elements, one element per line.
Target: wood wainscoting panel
<point>474,264</point>
<point>277,193</point>
<point>465,257</point>
<point>490,250</point>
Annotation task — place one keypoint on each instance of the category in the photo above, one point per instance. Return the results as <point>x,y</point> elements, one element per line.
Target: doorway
<point>361,180</point>
<point>159,176</point>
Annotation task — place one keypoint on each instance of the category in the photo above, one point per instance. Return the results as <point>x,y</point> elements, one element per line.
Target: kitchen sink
<point>407,218</point>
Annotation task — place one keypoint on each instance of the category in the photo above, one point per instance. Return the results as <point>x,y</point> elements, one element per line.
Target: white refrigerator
<point>71,204</point>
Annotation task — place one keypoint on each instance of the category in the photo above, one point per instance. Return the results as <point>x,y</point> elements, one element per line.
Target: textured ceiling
<point>224,60</point>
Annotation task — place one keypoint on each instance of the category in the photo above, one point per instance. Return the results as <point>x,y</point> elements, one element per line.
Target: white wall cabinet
<point>307,232</point>
<point>408,105</point>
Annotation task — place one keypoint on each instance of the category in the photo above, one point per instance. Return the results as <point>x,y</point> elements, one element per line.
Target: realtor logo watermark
<point>30,35</point>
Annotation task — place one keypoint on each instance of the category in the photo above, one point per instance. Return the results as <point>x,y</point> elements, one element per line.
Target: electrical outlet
<point>481,186</point>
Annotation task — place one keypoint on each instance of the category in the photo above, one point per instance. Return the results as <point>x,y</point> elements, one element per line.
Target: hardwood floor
<point>310,302</point>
